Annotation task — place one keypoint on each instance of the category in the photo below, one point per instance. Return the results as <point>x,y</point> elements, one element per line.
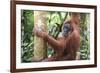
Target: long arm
<point>56,44</point>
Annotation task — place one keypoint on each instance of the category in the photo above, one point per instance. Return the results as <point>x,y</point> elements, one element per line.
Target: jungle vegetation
<point>54,21</point>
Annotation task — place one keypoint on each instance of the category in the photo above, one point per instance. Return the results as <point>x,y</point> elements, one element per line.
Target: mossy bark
<point>40,50</point>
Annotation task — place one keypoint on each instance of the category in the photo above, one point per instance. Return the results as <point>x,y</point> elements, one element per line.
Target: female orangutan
<point>67,44</point>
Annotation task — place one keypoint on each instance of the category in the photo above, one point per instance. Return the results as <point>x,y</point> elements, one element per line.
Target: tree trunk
<point>40,50</point>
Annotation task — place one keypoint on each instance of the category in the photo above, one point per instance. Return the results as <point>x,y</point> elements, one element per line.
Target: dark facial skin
<point>71,44</point>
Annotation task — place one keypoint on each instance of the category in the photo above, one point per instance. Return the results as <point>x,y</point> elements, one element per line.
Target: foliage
<point>26,35</point>
<point>85,37</point>
<point>54,21</point>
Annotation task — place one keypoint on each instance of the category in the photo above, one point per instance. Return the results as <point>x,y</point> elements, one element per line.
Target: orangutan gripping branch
<point>68,42</point>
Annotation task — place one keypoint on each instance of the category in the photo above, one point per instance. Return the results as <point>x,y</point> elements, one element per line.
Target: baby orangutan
<point>68,42</point>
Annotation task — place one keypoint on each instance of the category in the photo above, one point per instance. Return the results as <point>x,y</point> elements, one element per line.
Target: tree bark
<point>40,50</point>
